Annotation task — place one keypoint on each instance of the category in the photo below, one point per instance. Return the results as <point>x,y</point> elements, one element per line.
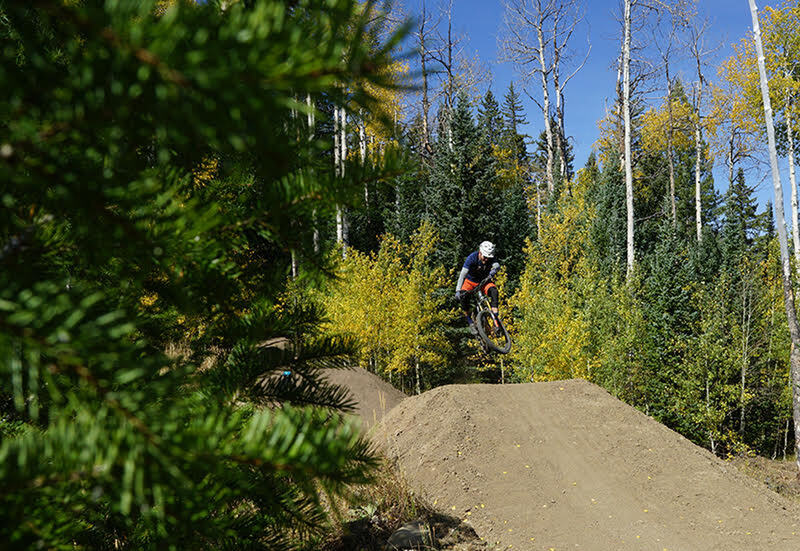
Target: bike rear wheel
<point>492,333</point>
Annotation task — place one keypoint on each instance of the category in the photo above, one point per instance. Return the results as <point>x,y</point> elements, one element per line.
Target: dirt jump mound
<point>374,396</point>
<point>564,465</point>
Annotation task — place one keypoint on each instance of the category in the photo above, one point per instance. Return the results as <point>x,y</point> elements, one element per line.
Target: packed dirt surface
<point>564,465</point>
<point>374,396</point>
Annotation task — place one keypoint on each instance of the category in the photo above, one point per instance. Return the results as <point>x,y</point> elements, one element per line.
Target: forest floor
<point>565,465</point>
<point>780,476</point>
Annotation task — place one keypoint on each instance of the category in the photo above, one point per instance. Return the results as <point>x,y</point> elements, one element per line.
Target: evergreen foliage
<point>113,249</point>
<point>513,113</point>
<point>177,167</point>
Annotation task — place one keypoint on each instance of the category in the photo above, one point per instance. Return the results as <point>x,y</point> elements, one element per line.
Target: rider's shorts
<point>470,285</point>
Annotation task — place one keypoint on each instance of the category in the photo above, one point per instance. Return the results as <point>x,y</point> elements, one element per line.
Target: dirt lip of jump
<point>564,465</point>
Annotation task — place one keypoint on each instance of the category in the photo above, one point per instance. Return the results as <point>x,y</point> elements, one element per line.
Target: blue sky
<point>479,22</point>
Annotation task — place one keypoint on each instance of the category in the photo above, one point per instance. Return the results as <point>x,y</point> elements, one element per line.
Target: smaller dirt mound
<point>374,396</point>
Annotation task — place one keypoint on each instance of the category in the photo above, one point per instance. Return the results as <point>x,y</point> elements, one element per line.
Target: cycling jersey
<point>477,271</point>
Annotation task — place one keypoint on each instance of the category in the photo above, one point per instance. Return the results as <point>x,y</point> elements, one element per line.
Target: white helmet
<point>487,249</point>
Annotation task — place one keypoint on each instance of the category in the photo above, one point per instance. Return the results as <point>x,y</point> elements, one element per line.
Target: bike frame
<point>483,302</point>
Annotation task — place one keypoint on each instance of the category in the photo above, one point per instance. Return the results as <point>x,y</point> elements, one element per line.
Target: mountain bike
<point>492,334</point>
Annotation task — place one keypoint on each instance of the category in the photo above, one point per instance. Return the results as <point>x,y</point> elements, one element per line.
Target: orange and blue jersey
<point>474,271</point>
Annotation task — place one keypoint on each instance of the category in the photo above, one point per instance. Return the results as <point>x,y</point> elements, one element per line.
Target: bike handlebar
<point>483,282</point>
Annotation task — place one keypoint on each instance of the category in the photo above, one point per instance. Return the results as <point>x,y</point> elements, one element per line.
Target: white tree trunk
<point>336,149</point>
<point>343,140</point>
<point>698,144</point>
<point>310,118</point>
<point>788,293</point>
<point>793,184</point>
<point>618,106</point>
<point>422,44</point>
<point>548,131</point>
<point>340,225</point>
<point>560,147</point>
<point>626,112</point>
<point>311,131</point>
<point>340,154</point>
<point>698,205</point>
<point>416,369</point>
<point>342,159</point>
<point>747,315</point>
<point>362,149</point>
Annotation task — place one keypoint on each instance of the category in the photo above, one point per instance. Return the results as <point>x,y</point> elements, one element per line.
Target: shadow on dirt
<point>433,531</point>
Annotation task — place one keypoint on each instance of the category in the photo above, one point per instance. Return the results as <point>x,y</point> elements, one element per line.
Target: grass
<point>374,512</point>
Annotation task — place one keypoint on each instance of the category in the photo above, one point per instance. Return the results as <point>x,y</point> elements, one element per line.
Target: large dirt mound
<point>565,465</point>
<point>374,396</point>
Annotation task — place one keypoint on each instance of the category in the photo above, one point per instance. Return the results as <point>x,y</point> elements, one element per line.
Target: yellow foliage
<point>205,172</point>
<point>509,172</point>
<point>609,141</point>
<point>781,35</point>
<point>392,302</point>
<point>551,327</point>
<point>737,103</point>
<point>148,299</point>
<point>656,126</point>
<point>390,108</point>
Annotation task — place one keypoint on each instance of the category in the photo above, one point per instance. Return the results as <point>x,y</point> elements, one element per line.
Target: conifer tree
<point>110,250</point>
<point>445,194</point>
<point>607,195</point>
<point>513,111</point>
<point>740,222</point>
<point>490,119</point>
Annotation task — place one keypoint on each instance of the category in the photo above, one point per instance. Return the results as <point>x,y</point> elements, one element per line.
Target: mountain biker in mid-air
<point>478,266</point>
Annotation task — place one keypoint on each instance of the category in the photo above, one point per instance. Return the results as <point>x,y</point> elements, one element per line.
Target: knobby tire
<point>501,342</point>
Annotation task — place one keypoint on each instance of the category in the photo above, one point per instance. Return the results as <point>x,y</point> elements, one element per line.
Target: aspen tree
<point>445,56</point>
<point>536,38</point>
<point>521,19</point>
<point>735,127</point>
<point>423,40</point>
<point>788,292</point>
<point>570,16</point>
<point>697,48</point>
<point>665,46</point>
<point>782,51</point>
<point>626,114</point>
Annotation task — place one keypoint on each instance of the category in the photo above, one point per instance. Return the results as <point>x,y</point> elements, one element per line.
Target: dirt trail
<point>564,465</point>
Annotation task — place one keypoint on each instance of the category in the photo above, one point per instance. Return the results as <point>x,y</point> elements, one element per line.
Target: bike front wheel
<point>493,333</point>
